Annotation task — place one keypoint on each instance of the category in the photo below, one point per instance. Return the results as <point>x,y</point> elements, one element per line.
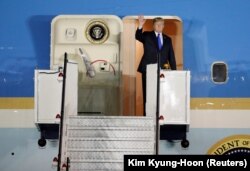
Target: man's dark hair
<point>157,19</point>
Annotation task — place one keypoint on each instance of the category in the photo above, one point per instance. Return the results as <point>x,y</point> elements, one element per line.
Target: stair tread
<point>111,150</point>
<point>107,128</point>
<point>146,139</point>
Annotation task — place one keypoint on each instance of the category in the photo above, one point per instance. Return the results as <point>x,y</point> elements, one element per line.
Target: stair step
<point>109,150</point>
<point>94,139</point>
<point>75,144</point>
<point>96,165</point>
<point>112,121</point>
<point>107,133</point>
<point>100,155</point>
<point>148,128</point>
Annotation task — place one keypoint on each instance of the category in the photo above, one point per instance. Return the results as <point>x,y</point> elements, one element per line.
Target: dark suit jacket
<point>150,44</point>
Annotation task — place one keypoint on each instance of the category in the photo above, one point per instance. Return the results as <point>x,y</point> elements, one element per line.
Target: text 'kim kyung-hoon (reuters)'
<point>162,162</point>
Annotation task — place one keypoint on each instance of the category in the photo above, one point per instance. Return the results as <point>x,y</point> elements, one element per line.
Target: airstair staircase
<point>99,143</point>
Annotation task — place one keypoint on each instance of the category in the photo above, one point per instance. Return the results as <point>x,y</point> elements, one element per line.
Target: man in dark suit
<point>154,42</point>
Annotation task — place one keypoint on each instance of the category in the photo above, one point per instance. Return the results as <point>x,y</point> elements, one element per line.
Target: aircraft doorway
<point>132,51</point>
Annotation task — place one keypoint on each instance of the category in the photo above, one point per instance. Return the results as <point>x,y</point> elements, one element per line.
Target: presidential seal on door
<point>97,32</point>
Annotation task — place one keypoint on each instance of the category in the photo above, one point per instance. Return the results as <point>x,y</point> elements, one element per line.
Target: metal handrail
<point>62,111</point>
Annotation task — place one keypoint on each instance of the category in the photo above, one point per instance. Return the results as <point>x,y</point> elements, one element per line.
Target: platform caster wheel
<point>41,142</point>
<point>185,143</point>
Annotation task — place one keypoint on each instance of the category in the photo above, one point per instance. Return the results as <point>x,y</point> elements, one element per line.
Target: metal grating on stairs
<point>100,142</point>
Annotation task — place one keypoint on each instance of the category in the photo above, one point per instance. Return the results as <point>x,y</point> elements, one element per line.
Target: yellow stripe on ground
<point>17,103</point>
<point>220,103</point>
<point>196,103</point>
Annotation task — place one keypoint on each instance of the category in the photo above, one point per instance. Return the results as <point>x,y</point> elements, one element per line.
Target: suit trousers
<point>144,76</point>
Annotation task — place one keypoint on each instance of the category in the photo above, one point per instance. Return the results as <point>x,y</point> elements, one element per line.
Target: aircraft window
<point>219,72</point>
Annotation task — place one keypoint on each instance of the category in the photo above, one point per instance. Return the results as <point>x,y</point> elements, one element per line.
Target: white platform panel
<point>48,93</point>
<point>174,95</point>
